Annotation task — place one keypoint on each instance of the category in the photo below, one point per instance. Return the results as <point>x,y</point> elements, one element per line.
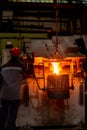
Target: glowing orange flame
<point>56,67</point>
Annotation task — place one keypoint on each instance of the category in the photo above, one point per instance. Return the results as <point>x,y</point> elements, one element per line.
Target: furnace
<point>58,86</point>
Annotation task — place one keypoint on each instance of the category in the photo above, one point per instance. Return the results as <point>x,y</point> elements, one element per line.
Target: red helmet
<point>15,52</point>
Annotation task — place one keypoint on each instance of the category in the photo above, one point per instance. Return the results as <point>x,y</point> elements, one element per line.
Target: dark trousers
<point>8,113</point>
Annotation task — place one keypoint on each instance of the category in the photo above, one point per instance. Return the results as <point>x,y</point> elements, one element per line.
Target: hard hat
<point>15,52</point>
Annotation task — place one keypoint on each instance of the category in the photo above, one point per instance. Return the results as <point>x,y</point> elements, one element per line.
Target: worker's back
<point>12,76</point>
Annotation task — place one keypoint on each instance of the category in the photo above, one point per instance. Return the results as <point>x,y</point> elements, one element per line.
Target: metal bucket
<point>58,86</point>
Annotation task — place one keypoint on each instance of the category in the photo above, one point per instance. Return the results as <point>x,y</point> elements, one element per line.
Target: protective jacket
<point>12,76</point>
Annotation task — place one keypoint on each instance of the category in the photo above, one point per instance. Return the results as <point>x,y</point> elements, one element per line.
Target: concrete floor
<point>57,129</point>
<point>54,128</point>
<point>60,128</point>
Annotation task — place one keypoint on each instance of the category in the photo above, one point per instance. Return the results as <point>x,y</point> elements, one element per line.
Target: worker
<point>12,75</point>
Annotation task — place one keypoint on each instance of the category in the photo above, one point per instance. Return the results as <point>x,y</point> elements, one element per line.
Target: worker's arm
<point>25,70</point>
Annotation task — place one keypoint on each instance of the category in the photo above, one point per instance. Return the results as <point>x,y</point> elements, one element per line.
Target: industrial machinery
<point>53,43</point>
<point>56,85</point>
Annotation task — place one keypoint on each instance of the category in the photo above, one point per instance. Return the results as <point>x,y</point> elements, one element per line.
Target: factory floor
<point>78,127</point>
<point>55,128</point>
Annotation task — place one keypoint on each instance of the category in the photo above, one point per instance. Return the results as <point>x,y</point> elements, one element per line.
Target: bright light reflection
<point>56,68</point>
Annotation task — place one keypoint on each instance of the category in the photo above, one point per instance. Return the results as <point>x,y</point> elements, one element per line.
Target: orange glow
<point>56,68</point>
<point>24,57</point>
